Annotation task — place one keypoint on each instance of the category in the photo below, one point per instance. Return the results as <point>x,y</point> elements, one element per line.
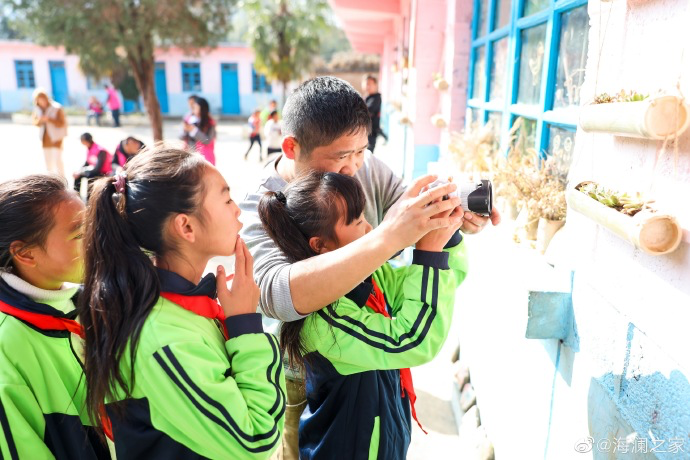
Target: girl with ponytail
<point>356,353</point>
<point>180,361</point>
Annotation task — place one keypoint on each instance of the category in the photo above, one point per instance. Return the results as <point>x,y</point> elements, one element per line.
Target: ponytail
<point>311,206</point>
<point>125,223</point>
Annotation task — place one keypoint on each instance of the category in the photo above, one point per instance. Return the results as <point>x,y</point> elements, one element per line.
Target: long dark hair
<point>27,207</point>
<point>121,286</point>
<point>313,206</point>
<point>205,120</point>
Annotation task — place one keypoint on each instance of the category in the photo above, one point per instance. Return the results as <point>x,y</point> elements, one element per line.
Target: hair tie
<point>280,196</point>
<point>120,182</point>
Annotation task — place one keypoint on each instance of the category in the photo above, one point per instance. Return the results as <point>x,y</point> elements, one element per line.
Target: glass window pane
<point>497,91</point>
<point>561,147</point>
<point>483,17</point>
<point>572,58</point>
<point>524,133</point>
<point>531,64</point>
<point>472,116</point>
<point>495,120</point>
<point>534,6</point>
<point>479,73</point>
<point>502,13</point>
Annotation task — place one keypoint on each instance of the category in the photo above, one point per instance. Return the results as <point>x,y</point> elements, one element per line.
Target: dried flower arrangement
<point>474,150</point>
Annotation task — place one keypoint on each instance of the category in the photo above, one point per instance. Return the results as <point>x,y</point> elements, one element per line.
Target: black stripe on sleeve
<point>8,434</point>
<point>280,400</point>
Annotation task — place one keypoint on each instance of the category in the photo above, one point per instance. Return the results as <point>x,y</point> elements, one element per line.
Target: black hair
<point>275,112</point>
<point>134,139</point>
<point>121,285</point>
<point>27,207</point>
<point>193,96</point>
<point>204,117</point>
<point>372,78</point>
<point>323,109</point>
<point>313,206</point>
<point>87,137</point>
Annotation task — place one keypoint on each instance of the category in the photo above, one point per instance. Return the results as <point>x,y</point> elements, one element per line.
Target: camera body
<point>475,196</point>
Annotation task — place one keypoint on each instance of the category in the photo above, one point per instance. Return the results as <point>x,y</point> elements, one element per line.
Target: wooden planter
<point>653,232</point>
<point>653,118</point>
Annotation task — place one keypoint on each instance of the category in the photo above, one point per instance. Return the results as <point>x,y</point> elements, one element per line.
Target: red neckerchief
<point>53,323</point>
<point>202,305</point>
<point>377,302</point>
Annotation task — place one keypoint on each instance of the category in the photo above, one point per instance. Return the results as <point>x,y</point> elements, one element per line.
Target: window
<point>191,77</point>
<point>95,83</point>
<point>527,67</point>
<point>259,84</point>
<point>25,74</point>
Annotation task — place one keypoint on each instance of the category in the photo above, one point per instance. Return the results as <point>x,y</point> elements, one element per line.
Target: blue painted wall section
<point>423,154</point>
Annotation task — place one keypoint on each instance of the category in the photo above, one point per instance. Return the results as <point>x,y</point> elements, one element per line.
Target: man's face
<point>344,155</point>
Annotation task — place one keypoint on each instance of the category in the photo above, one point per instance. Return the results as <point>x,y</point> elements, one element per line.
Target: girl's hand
<point>435,240</point>
<point>243,295</point>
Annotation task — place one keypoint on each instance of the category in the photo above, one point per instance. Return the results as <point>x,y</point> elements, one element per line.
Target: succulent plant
<point>622,96</point>
<point>621,202</point>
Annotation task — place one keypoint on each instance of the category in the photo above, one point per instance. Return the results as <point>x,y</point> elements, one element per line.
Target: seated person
<point>95,111</point>
<point>97,164</point>
<point>124,151</point>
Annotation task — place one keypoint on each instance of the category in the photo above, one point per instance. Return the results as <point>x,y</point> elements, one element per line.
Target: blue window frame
<point>25,74</point>
<point>191,77</point>
<point>527,61</point>
<point>259,84</point>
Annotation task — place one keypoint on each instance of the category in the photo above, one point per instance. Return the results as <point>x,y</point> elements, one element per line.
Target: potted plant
<point>630,217</point>
<point>636,115</point>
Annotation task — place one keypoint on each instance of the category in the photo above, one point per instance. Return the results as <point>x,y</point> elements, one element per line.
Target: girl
<point>255,133</point>
<point>42,391</point>
<point>201,133</point>
<point>50,118</point>
<point>98,163</point>
<point>181,375</point>
<point>358,397</point>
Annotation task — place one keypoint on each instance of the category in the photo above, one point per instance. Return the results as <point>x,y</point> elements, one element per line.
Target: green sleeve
<point>355,339</point>
<point>22,424</point>
<point>215,411</point>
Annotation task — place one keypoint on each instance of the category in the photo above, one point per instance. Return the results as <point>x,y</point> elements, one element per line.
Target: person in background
<point>95,111</point>
<point>98,163</point>
<point>201,134</point>
<point>42,388</point>
<point>124,151</point>
<point>113,103</point>
<point>268,110</point>
<point>373,99</point>
<point>255,133</point>
<point>50,118</point>
<point>189,117</point>
<point>273,134</point>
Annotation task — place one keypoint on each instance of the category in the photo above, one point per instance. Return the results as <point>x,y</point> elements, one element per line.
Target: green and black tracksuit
<point>356,357</point>
<point>42,387</point>
<point>197,394</point>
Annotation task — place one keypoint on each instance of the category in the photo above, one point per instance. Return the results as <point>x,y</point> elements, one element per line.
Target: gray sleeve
<point>388,187</point>
<point>271,267</point>
<point>205,138</point>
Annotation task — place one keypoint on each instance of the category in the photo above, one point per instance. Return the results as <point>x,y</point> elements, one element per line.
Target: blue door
<point>58,78</point>
<point>230,88</point>
<point>161,87</point>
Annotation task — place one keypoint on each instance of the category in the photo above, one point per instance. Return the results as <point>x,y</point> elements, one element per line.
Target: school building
<point>224,75</point>
<point>582,352</point>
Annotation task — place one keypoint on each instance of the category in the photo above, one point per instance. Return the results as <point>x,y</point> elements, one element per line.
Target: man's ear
<point>182,227</point>
<point>318,245</point>
<point>22,254</point>
<point>290,147</point>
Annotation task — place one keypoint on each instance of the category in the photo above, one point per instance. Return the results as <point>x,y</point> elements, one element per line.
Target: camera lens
<point>477,197</point>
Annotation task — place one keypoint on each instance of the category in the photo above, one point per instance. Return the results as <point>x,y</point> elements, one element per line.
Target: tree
<point>103,32</point>
<point>285,39</point>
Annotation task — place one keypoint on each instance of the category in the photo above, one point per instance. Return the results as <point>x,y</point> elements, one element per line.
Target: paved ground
<point>21,154</point>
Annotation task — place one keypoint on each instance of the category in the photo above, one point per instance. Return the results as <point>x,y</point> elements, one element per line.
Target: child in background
<point>357,352</point>
<point>255,133</point>
<point>98,163</point>
<point>182,375</point>
<point>272,131</point>
<point>124,151</point>
<point>201,132</point>
<point>42,389</point>
<point>94,111</point>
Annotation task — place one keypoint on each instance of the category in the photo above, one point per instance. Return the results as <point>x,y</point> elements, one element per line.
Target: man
<point>370,87</point>
<point>326,126</point>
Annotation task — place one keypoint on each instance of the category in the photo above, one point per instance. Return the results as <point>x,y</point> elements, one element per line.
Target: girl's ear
<point>22,254</point>
<point>182,227</point>
<point>317,245</point>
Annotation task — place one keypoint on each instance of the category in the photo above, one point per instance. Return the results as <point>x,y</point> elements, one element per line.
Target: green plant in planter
<point>622,96</point>
<point>621,202</point>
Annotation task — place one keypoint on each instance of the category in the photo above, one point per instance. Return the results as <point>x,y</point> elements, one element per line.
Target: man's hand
<point>474,223</point>
<point>412,216</point>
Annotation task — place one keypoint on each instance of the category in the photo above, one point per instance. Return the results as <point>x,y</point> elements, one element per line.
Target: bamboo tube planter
<point>653,232</point>
<point>653,118</point>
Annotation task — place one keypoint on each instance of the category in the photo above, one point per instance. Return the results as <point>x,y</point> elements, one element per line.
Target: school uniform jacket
<point>196,394</point>
<point>42,389</point>
<point>355,406</point>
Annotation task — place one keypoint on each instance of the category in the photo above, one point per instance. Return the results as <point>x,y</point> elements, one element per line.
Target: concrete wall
<point>13,99</point>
